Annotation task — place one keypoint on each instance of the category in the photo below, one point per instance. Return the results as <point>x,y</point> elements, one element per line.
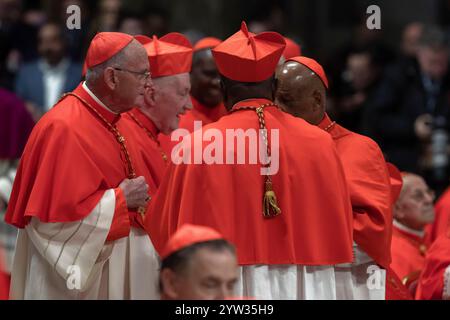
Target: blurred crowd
<point>400,96</point>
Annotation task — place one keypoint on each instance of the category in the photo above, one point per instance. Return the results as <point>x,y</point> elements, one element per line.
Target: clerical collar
<point>326,123</point>
<point>253,102</point>
<point>87,94</point>
<point>406,229</point>
<point>213,113</point>
<point>145,121</point>
<point>96,99</point>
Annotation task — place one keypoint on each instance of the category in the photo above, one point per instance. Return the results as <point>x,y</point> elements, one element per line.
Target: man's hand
<point>422,126</point>
<point>135,192</point>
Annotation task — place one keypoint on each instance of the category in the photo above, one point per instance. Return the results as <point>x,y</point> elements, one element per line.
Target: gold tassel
<point>270,205</point>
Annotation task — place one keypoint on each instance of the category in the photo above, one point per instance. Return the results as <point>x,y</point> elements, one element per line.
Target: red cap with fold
<point>206,43</point>
<point>396,180</point>
<point>188,235</point>
<point>247,57</point>
<point>103,47</point>
<point>313,65</point>
<point>168,55</point>
<point>292,49</point>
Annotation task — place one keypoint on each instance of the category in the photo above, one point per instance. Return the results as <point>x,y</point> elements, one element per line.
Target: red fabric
<point>206,43</point>
<point>431,282</point>
<point>247,57</point>
<point>4,281</point>
<point>70,160</point>
<point>292,49</point>
<point>188,235</point>
<point>120,225</point>
<point>229,198</point>
<point>396,181</point>
<point>314,66</point>
<point>169,55</point>
<point>199,112</point>
<point>104,46</point>
<point>145,152</point>
<point>442,218</point>
<point>408,253</point>
<point>395,289</point>
<point>370,192</point>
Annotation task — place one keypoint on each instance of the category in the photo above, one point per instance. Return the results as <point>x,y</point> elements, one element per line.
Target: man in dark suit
<point>410,113</point>
<point>42,82</point>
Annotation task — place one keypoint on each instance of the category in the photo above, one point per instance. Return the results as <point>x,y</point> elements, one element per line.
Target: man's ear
<point>110,78</point>
<point>168,284</point>
<point>150,95</point>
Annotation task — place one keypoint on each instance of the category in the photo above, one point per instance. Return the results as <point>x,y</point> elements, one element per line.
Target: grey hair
<point>95,73</point>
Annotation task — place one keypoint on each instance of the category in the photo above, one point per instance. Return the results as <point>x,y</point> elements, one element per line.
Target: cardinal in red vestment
<point>412,212</point>
<point>78,190</point>
<point>170,59</point>
<point>302,86</point>
<point>288,237</point>
<point>206,96</point>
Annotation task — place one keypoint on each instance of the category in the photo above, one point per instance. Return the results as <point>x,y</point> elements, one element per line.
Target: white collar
<point>85,87</point>
<point>406,229</point>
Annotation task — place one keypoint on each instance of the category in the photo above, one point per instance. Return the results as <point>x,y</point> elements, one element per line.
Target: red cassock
<point>199,112</point>
<point>442,218</point>
<point>70,160</point>
<point>315,224</point>
<point>434,282</point>
<point>370,193</point>
<point>395,289</point>
<point>408,253</point>
<point>145,147</point>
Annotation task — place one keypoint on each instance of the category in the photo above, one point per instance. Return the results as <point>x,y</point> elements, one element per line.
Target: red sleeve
<point>370,193</point>
<point>120,225</point>
<point>431,282</point>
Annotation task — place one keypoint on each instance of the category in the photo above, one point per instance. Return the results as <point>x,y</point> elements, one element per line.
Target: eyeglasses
<point>145,74</point>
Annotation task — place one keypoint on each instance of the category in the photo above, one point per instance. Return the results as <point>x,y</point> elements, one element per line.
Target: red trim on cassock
<point>120,225</point>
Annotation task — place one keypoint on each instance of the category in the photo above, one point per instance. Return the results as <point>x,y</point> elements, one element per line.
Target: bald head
<point>300,92</point>
<point>414,207</point>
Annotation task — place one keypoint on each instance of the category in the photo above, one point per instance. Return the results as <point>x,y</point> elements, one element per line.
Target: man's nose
<point>222,293</point>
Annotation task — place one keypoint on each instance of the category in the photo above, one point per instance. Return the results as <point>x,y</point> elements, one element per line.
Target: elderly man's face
<point>172,99</point>
<point>133,77</point>
<point>210,275</point>
<point>415,207</point>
